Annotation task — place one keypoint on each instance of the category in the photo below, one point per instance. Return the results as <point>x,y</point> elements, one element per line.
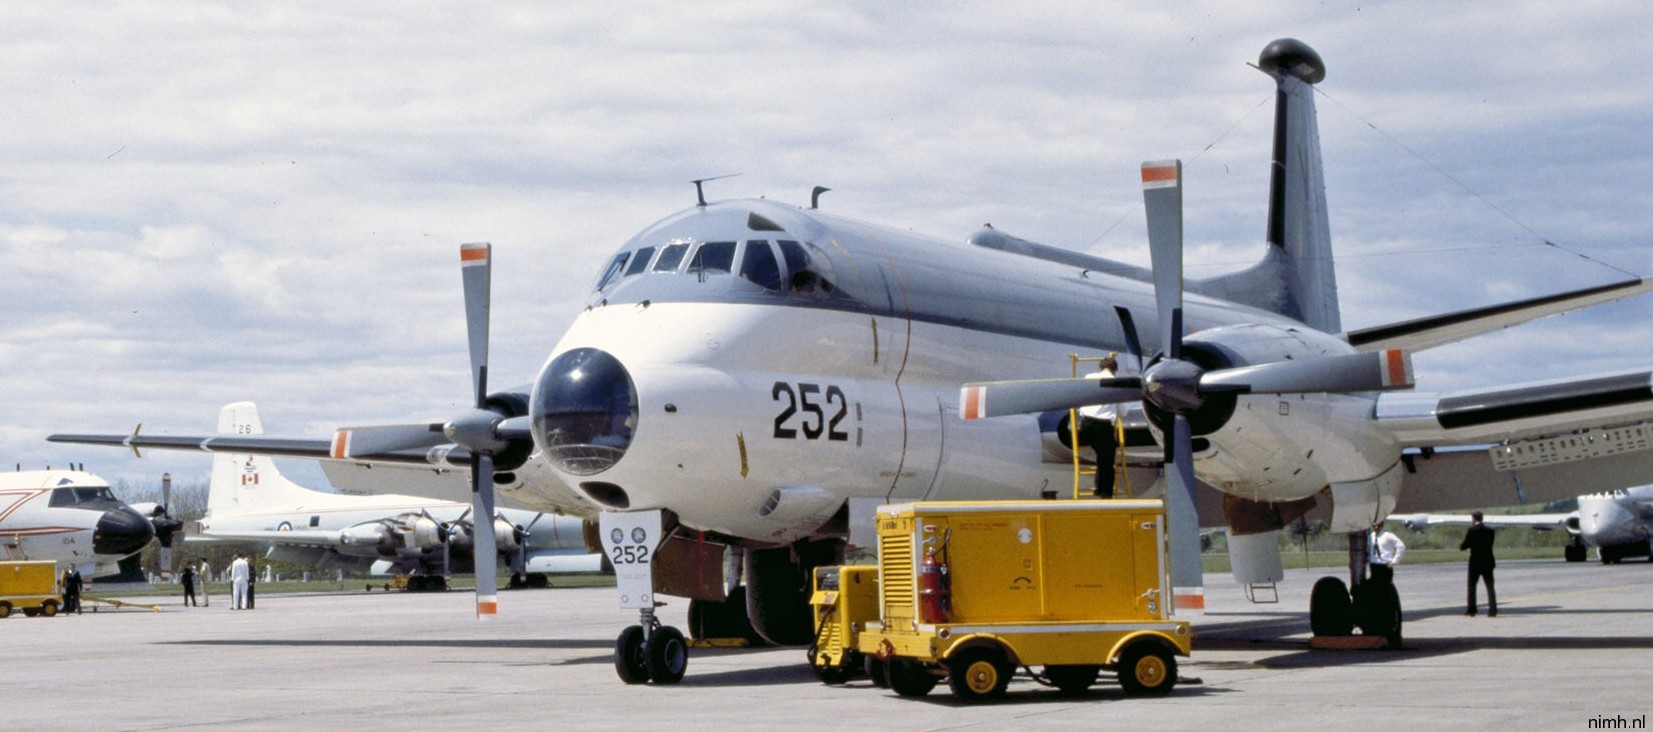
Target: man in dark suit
<point>1478,540</point>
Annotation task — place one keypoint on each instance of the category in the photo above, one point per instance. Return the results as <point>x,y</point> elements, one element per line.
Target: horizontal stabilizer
<point>1440,330</point>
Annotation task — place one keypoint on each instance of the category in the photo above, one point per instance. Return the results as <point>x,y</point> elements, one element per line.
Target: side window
<point>714,257</point>
<point>801,277</point>
<point>670,257</point>
<point>759,265</point>
<point>641,261</point>
<point>615,266</point>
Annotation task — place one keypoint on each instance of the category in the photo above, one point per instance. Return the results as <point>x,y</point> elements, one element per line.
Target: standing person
<point>252,583</point>
<point>187,579</point>
<point>239,574</point>
<point>71,590</point>
<point>1386,553</point>
<point>206,576</point>
<point>1096,431</point>
<point>1478,540</point>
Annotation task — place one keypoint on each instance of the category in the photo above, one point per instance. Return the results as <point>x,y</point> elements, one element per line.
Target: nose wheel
<point>650,651</point>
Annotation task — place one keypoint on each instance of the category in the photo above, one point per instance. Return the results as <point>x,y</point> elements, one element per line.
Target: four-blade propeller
<point>1175,386</point>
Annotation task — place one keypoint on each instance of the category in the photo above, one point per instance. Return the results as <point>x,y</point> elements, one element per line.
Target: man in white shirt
<point>239,572</point>
<point>1386,551</point>
<point>1096,431</point>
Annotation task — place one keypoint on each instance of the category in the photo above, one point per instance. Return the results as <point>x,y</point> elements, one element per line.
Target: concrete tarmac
<point>1569,650</point>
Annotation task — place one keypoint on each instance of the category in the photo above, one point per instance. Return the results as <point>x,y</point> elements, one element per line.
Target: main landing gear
<point>1373,606</point>
<point>650,651</point>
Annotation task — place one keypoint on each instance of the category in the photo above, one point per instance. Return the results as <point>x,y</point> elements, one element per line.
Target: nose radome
<point>584,411</point>
<point>121,532</point>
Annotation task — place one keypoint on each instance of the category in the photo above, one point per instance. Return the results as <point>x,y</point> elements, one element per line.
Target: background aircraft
<point>250,500</point>
<point>69,517</point>
<point>1618,523</point>
<point>765,374</point>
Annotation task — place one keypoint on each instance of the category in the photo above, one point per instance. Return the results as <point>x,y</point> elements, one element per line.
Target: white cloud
<point>205,202</point>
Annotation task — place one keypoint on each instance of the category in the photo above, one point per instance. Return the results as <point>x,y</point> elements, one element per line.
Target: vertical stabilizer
<point>1296,277</point>
<point>1297,222</point>
<point>248,483</point>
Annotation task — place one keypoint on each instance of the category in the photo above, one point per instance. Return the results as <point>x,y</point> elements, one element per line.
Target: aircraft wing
<point>1439,330</point>
<point>305,537</point>
<point>1512,445</point>
<point>1540,521</point>
<point>299,447</point>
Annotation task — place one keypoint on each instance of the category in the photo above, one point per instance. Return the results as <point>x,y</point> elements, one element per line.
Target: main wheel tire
<point>1574,553</point>
<point>1147,669</point>
<point>878,670</point>
<point>48,608</point>
<point>911,678</point>
<point>778,588</point>
<point>979,674</point>
<point>1072,679</point>
<point>629,662</point>
<point>1330,611</point>
<point>1377,611</point>
<point>668,655</point>
<point>727,619</point>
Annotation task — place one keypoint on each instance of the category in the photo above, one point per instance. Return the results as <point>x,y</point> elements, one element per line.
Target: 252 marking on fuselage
<point>803,400</point>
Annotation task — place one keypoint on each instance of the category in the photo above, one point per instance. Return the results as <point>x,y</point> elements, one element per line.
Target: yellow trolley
<point>970,591</point>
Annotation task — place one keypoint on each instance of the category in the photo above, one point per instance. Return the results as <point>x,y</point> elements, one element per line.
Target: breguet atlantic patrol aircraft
<point>1618,523</point>
<point>69,517</point>
<point>250,500</point>
<point>764,374</point>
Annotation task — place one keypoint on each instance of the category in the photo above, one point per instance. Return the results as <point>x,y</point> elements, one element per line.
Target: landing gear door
<point>629,540</point>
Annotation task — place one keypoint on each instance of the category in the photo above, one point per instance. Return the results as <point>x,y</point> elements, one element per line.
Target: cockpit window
<point>640,262</point>
<point>759,265</point>
<point>805,275</point>
<point>670,257</point>
<point>63,497</point>
<point>713,257</point>
<point>614,268</point>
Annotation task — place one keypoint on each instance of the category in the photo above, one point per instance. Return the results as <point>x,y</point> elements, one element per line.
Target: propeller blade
<point>380,439</point>
<point>476,268</point>
<point>1162,199</point>
<point>484,547</point>
<point>1133,341</point>
<point>1183,520</point>
<point>1376,371</point>
<point>998,398</point>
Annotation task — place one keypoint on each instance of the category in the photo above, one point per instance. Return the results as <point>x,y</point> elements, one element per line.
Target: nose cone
<point>584,411</point>
<point>122,532</point>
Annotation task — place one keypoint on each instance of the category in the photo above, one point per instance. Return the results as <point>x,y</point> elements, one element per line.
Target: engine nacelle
<point>418,533</point>
<point>506,536</point>
<point>1283,447</point>
<point>374,535</point>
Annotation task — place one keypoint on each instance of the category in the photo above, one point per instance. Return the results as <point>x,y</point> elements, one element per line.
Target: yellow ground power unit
<point>971,591</point>
<point>30,586</point>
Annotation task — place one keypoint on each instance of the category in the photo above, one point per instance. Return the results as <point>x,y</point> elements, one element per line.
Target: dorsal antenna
<point>700,194</point>
<point>815,196</point>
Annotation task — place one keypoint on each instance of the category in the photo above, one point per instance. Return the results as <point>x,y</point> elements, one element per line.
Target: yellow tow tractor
<point>970,591</point>
<point>30,586</point>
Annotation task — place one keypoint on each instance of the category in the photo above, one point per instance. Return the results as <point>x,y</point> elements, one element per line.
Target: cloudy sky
<point>207,202</point>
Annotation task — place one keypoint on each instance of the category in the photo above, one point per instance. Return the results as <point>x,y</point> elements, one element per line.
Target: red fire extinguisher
<point>935,592</point>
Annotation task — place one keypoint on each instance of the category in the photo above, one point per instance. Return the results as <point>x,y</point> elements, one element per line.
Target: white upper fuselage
<point>69,517</point>
<point>751,382</point>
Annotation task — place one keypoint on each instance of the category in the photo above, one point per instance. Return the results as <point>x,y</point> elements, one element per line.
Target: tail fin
<point>248,483</point>
<point>1296,277</point>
